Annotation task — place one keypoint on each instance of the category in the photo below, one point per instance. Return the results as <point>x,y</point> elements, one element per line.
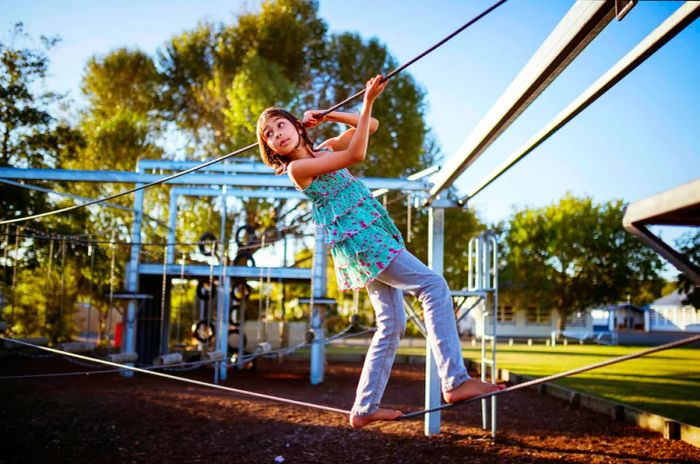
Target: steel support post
<point>223,304</point>
<point>318,276</point>
<point>433,392</point>
<point>172,223</point>
<point>132,281</point>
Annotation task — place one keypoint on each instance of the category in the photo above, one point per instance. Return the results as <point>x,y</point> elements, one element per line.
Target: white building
<point>669,314</point>
<point>528,322</point>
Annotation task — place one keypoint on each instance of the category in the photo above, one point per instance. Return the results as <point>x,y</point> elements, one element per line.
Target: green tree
<point>689,245</point>
<point>575,254</point>
<point>257,85</point>
<point>200,67</point>
<point>30,135</point>
<point>120,125</point>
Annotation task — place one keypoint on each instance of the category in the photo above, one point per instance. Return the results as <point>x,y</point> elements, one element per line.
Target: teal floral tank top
<point>359,232</point>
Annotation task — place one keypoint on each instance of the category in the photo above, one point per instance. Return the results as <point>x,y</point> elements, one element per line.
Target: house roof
<point>674,298</point>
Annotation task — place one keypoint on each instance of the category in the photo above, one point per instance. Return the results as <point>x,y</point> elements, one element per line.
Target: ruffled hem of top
<point>344,287</point>
<point>337,232</point>
<point>375,239</point>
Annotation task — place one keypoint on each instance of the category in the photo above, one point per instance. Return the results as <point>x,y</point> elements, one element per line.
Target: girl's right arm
<point>312,119</point>
<point>304,170</point>
<point>341,142</point>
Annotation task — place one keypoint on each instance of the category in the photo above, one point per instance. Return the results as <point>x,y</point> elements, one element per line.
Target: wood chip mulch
<point>111,419</point>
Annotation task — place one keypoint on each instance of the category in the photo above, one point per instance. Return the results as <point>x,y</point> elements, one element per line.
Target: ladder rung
<point>487,361</point>
<point>488,337</point>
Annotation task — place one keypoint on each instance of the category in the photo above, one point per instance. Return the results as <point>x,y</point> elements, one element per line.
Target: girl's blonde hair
<point>267,155</point>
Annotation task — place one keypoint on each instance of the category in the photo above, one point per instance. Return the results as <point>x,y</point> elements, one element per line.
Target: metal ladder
<point>482,280</point>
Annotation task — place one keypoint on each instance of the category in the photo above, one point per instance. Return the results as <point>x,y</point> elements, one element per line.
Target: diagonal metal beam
<point>582,23</point>
<point>672,26</point>
<point>678,206</point>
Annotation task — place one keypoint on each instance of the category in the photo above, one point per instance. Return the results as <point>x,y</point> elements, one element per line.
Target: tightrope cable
<point>252,145</point>
<point>182,379</point>
<point>531,383</point>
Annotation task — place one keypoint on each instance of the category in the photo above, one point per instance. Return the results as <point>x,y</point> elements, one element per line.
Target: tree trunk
<point>561,324</point>
<point>5,147</point>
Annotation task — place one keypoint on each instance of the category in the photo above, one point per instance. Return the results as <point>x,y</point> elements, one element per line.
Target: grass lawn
<point>665,383</point>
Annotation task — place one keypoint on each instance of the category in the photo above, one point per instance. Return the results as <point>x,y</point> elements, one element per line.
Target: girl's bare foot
<point>470,389</point>
<point>357,422</point>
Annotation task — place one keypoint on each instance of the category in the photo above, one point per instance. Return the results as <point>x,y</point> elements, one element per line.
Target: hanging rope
<point>183,379</point>
<point>262,328</point>
<point>253,145</point>
<point>61,322</point>
<point>15,267</point>
<point>164,284</point>
<point>183,286</point>
<point>91,253</point>
<point>408,218</point>
<point>561,375</point>
<point>112,265</point>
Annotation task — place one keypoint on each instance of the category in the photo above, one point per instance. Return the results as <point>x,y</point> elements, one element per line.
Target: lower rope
<point>531,383</point>
<point>182,379</point>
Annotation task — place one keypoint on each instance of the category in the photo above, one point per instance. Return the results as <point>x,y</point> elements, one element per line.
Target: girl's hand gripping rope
<point>312,118</point>
<point>375,86</point>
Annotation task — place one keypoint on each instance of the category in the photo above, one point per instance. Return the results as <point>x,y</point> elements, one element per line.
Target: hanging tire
<point>234,313</point>
<point>207,237</point>
<point>245,236</point>
<point>240,291</point>
<point>233,339</point>
<point>310,336</point>
<point>244,259</point>
<point>203,330</point>
<point>206,291</point>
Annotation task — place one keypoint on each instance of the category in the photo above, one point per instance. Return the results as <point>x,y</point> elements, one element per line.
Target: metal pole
<point>433,392</point>
<point>172,223</point>
<point>132,280</point>
<point>222,313</point>
<point>482,263</point>
<point>494,288</point>
<point>318,352</point>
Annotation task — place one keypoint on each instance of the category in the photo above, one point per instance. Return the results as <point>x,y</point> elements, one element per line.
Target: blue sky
<point>639,139</point>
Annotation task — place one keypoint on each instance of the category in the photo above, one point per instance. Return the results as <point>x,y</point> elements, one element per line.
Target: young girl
<point>367,249</point>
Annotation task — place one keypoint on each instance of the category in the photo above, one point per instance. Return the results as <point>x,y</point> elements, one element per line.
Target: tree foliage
<point>689,245</point>
<point>30,135</point>
<point>574,254</point>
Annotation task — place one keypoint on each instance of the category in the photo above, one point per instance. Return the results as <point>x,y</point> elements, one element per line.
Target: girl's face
<point>281,135</point>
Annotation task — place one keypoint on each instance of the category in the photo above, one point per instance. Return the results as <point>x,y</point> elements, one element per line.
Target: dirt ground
<point>110,419</point>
